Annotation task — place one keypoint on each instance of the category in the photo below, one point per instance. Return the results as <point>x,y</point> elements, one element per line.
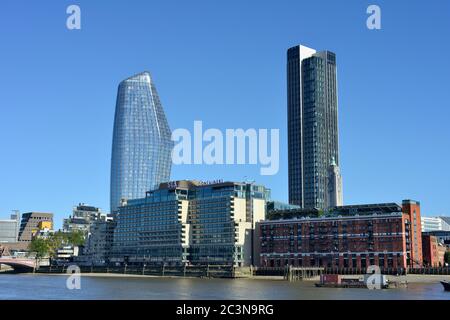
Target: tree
<point>55,241</point>
<point>50,245</point>
<point>75,238</point>
<point>40,246</point>
<point>447,257</point>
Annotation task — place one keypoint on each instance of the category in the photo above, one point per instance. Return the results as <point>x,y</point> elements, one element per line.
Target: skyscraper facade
<point>312,126</point>
<point>141,148</point>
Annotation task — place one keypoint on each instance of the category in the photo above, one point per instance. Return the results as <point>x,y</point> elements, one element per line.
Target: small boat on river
<point>446,285</point>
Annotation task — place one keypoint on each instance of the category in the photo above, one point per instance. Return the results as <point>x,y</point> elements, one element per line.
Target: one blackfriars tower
<point>313,142</point>
<point>142,146</point>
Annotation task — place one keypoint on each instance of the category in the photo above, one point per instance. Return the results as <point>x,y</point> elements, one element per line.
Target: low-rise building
<point>441,236</point>
<point>191,222</point>
<point>442,249</point>
<point>67,252</point>
<point>387,235</point>
<point>43,230</point>
<point>9,229</point>
<point>430,251</point>
<point>279,205</point>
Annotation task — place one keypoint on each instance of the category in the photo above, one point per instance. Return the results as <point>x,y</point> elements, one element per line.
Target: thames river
<point>26,286</point>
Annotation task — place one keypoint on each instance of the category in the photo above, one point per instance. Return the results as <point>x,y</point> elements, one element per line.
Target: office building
<point>141,147</point>
<point>9,229</point>
<point>351,237</point>
<point>191,222</point>
<point>33,223</point>
<point>435,224</point>
<point>313,142</point>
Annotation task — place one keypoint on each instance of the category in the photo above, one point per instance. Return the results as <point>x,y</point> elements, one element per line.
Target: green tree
<point>50,245</point>
<point>40,246</point>
<point>55,241</point>
<point>75,238</point>
<point>447,257</point>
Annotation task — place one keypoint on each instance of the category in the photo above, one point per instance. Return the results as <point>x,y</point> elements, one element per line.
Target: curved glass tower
<point>142,146</point>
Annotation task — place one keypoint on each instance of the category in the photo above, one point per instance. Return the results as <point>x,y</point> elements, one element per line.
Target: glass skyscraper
<point>312,127</point>
<point>142,146</point>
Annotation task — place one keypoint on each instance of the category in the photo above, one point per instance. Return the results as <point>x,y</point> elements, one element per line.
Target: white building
<point>435,224</point>
<point>335,195</point>
<point>67,252</point>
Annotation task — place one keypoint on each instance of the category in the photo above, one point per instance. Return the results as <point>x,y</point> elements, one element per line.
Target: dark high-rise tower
<point>141,149</point>
<point>312,125</point>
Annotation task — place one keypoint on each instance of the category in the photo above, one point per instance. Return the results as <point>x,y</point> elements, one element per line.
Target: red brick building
<point>353,237</point>
<point>412,210</point>
<point>430,251</point>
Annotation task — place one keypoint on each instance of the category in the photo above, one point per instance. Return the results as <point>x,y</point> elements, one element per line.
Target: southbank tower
<point>142,146</point>
<point>313,142</point>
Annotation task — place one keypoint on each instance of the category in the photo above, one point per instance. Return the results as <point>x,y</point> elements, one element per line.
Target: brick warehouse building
<point>353,237</point>
<point>433,251</point>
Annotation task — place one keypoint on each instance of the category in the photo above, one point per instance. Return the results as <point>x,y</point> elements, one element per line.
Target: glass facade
<point>190,223</point>
<point>141,148</point>
<point>9,230</point>
<point>312,125</point>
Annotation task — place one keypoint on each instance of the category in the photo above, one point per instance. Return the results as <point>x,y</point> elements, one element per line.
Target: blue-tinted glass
<point>141,149</point>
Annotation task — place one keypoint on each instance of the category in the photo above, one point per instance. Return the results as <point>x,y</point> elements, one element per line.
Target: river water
<point>25,286</point>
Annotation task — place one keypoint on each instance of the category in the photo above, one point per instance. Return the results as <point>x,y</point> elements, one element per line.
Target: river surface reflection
<point>24,286</point>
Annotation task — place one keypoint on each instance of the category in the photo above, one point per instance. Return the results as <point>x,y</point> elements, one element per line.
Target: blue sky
<point>222,62</point>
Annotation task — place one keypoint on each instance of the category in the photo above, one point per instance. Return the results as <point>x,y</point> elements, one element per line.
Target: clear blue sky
<point>222,62</point>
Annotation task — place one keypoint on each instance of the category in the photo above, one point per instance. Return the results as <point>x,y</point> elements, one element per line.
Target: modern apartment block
<point>353,237</point>
<point>313,142</point>
<point>82,218</point>
<point>99,243</point>
<point>142,145</point>
<point>191,222</point>
<point>33,222</point>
